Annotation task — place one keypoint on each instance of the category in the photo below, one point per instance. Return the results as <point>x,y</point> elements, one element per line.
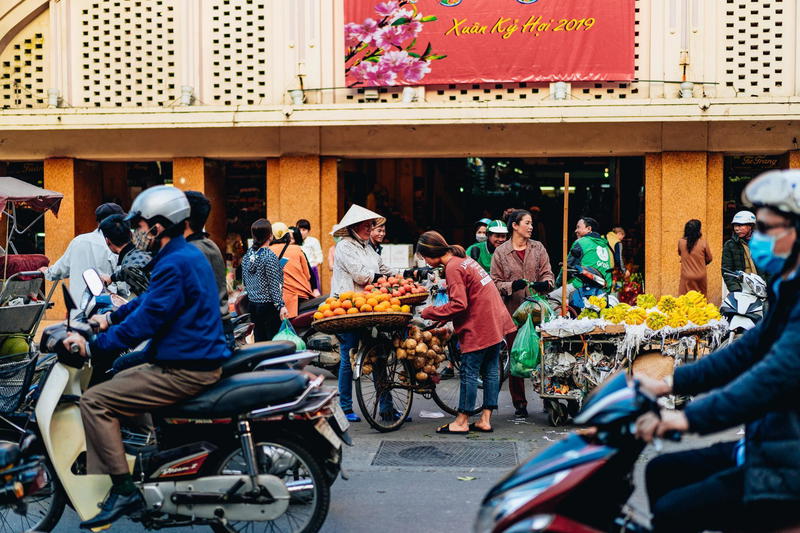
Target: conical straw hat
<point>354,215</point>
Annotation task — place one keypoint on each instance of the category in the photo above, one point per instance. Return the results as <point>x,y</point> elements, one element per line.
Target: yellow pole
<point>565,249</point>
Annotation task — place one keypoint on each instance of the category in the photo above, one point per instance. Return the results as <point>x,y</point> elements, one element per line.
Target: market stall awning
<point>24,194</point>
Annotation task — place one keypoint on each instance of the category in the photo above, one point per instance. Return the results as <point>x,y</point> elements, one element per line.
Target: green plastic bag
<point>535,307</point>
<point>287,333</point>
<point>525,351</point>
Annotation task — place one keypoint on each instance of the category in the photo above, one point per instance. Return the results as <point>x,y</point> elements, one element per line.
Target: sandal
<point>473,427</point>
<point>445,430</point>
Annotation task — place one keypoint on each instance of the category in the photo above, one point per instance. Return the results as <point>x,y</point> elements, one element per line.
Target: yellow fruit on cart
<point>346,296</point>
<point>713,312</point>
<point>667,303</point>
<point>318,315</point>
<point>646,301</point>
<point>324,307</point>
<point>698,316</point>
<point>677,319</point>
<point>405,308</point>
<point>596,301</point>
<point>635,316</point>
<point>656,320</point>
<point>696,299</point>
<point>352,311</point>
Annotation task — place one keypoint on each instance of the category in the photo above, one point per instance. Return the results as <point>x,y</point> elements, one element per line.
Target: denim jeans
<point>346,342</point>
<point>484,363</point>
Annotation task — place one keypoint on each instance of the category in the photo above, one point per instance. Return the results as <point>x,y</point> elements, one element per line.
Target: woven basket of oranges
<point>357,310</point>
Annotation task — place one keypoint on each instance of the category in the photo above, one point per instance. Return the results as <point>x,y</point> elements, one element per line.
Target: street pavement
<point>398,499</point>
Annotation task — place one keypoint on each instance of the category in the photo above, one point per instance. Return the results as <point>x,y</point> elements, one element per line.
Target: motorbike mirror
<point>68,301</point>
<point>93,281</point>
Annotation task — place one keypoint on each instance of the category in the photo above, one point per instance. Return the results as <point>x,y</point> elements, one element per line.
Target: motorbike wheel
<point>41,511</point>
<point>290,461</point>
<point>447,391</point>
<point>389,379</point>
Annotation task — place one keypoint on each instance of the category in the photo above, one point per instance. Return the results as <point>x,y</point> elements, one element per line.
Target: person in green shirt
<point>497,233</point>
<point>590,250</point>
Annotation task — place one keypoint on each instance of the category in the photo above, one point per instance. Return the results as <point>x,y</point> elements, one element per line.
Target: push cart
<point>573,365</point>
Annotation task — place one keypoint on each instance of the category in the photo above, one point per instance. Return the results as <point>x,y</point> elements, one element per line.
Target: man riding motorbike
<point>589,252</point>
<point>180,315</point>
<point>753,484</point>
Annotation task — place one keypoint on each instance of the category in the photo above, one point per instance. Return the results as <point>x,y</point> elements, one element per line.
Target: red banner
<point>425,42</point>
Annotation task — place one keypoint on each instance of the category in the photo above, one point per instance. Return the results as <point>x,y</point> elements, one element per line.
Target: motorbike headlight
<point>510,501</point>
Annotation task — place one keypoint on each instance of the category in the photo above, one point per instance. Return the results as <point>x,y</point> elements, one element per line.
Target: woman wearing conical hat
<point>356,264</point>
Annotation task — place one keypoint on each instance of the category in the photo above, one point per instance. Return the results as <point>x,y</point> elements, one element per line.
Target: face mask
<point>480,237</point>
<point>145,240</point>
<point>762,250</point>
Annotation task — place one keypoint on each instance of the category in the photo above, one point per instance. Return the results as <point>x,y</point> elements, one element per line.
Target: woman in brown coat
<point>695,255</point>
<point>515,263</point>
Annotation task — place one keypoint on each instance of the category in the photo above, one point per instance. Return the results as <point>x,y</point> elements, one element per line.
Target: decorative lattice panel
<point>128,53</point>
<point>238,49</point>
<point>531,91</point>
<point>755,41</point>
<point>23,72</point>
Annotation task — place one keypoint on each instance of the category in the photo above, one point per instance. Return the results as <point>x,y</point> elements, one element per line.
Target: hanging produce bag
<point>535,307</point>
<point>440,298</point>
<point>525,351</point>
<point>287,333</point>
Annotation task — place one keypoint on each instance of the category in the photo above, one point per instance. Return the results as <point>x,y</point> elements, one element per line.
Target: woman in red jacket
<point>481,322</point>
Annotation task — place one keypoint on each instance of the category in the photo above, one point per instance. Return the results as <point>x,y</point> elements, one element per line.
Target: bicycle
<point>385,385</point>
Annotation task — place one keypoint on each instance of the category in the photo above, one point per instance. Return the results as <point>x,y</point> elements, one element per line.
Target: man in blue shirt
<point>180,314</point>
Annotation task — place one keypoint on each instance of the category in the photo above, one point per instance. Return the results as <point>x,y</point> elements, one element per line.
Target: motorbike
<point>258,447</point>
<point>22,473</point>
<point>593,284</point>
<point>325,345</point>
<point>744,308</point>
<point>581,483</point>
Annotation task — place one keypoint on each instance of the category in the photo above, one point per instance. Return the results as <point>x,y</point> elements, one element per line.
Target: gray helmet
<point>164,201</point>
<point>779,189</point>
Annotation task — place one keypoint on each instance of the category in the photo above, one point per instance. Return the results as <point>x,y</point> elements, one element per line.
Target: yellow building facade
<point>89,86</point>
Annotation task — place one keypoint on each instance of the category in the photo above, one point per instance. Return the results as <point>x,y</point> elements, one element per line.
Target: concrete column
<point>680,186</point>
<point>794,159</point>
<point>207,177</point>
<point>305,187</point>
<point>81,185</point>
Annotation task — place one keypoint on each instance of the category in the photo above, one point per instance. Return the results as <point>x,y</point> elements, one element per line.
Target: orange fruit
<point>366,308</point>
<point>328,313</point>
<point>405,308</point>
<point>396,308</point>
<point>339,311</point>
<point>324,307</point>
<point>347,304</point>
<point>372,302</point>
<point>330,300</point>
<point>335,305</point>
<point>352,311</point>
<point>394,301</point>
<point>318,315</point>
<point>358,302</point>
<point>346,296</point>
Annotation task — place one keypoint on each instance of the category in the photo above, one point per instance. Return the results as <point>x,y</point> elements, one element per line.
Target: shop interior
<point>449,195</point>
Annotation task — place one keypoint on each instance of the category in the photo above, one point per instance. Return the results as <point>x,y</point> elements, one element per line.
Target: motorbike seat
<point>240,393</point>
<point>245,358</point>
<point>311,304</point>
<point>9,454</point>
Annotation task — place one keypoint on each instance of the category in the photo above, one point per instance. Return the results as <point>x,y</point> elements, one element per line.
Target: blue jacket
<point>756,381</point>
<point>179,311</point>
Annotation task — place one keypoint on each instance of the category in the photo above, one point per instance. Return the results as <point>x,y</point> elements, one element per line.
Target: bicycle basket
<point>16,373</point>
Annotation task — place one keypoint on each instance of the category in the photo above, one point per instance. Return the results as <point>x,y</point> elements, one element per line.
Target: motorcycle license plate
<point>327,431</point>
<point>340,418</point>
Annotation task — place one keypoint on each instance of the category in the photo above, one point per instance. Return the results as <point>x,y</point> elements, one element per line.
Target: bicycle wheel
<point>382,387</point>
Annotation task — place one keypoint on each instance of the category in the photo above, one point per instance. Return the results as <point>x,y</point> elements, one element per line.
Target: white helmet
<point>161,201</point>
<point>779,189</point>
<point>744,217</point>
